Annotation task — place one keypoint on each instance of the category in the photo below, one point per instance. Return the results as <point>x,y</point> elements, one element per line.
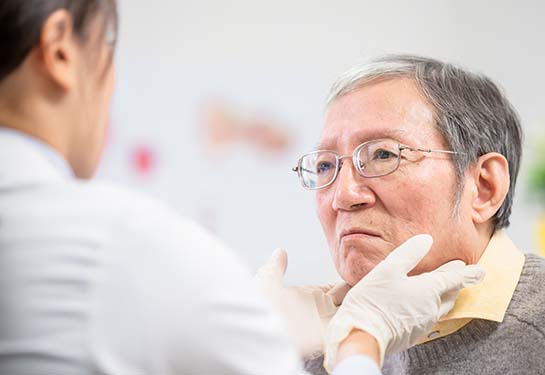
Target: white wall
<point>280,57</point>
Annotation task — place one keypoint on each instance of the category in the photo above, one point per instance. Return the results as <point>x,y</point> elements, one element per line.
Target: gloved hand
<point>306,310</point>
<point>395,308</point>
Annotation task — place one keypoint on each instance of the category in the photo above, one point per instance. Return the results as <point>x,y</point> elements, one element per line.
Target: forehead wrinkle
<point>378,110</point>
<point>361,136</point>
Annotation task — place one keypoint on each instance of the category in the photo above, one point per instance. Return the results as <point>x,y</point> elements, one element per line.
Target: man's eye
<point>384,155</point>
<point>323,167</point>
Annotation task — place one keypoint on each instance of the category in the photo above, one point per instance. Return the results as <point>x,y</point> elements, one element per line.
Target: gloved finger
<point>338,292</point>
<point>449,277</point>
<point>452,266</point>
<point>448,301</point>
<point>455,275</point>
<point>275,268</point>
<point>473,275</point>
<point>404,258</point>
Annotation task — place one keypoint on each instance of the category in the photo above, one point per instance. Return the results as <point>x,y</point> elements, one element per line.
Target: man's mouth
<point>354,233</point>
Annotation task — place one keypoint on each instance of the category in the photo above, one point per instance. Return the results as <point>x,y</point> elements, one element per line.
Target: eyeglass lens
<point>373,159</point>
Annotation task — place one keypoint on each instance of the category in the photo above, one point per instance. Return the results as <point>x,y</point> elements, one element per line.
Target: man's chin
<point>352,271</point>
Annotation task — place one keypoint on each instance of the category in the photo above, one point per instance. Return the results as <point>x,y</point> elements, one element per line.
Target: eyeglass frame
<point>338,159</point>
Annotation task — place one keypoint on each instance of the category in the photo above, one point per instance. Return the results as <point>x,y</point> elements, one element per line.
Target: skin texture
<point>61,93</point>
<point>417,198</point>
<point>359,343</point>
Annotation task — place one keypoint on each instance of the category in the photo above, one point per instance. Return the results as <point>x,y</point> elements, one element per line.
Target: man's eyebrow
<point>369,136</point>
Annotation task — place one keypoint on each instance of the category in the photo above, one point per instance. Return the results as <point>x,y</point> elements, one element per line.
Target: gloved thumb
<point>273,271</point>
<point>404,258</point>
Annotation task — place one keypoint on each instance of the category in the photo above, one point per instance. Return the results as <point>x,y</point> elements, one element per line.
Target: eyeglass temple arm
<point>296,169</point>
<point>429,150</point>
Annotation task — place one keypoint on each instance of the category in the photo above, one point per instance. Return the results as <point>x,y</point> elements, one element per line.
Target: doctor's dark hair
<point>21,23</point>
<point>471,112</point>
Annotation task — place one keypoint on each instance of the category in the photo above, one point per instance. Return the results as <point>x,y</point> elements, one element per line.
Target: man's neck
<point>484,234</point>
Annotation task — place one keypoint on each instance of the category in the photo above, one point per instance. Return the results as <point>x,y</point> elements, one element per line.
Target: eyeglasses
<point>376,158</point>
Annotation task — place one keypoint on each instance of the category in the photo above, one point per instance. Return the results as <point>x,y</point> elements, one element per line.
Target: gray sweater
<point>515,346</point>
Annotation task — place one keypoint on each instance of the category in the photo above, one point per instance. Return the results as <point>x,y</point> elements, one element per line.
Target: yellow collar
<point>488,300</point>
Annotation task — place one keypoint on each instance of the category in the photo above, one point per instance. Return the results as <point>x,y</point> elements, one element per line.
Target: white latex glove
<point>306,310</point>
<point>395,308</point>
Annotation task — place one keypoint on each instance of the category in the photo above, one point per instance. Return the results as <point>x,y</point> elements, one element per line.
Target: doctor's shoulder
<point>152,226</point>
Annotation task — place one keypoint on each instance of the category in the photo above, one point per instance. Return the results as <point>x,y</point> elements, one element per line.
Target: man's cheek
<point>328,227</point>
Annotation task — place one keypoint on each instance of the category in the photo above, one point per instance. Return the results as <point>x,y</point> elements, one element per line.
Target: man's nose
<point>351,190</point>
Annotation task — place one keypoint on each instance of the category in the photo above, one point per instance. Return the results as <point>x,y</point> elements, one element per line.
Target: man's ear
<point>57,49</point>
<point>491,179</point>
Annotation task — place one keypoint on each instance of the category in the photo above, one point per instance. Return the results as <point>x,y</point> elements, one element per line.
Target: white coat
<point>94,279</point>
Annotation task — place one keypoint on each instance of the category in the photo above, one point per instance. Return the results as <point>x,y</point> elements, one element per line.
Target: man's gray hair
<point>471,112</point>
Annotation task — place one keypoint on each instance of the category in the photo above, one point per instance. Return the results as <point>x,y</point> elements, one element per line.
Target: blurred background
<point>217,99</point>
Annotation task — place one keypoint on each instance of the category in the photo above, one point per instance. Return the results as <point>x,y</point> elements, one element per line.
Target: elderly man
<point>414,145</point>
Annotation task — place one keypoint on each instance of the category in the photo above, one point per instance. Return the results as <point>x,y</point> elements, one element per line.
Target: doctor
<point>94,279</point>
